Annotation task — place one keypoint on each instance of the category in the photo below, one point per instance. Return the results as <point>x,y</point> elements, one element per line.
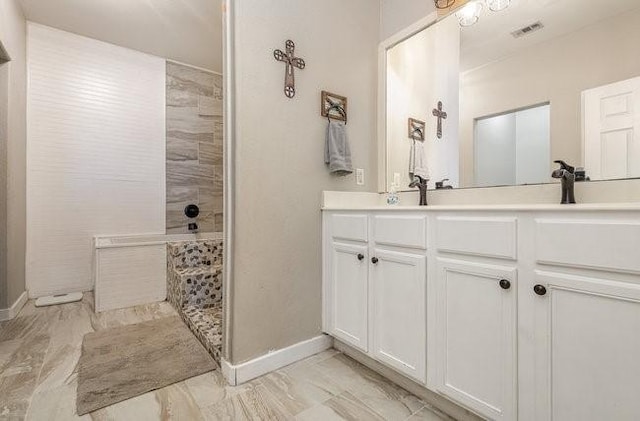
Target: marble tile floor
<point>39,351</point>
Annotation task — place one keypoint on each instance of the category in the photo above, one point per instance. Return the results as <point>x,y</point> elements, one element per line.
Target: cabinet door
<point>399,303</point>
<point>476,336</point>
<point>348,296</point>
<point>588,348</point>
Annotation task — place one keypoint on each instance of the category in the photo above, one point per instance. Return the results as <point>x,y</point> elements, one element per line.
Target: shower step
<point>206,324</point>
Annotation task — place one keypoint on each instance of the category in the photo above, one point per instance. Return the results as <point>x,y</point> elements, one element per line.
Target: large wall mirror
<point>522,83</point>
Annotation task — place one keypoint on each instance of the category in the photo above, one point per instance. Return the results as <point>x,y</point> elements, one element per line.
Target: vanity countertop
<point>634,206</point>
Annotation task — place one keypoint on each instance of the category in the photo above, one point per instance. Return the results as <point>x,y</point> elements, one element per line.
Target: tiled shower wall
<point>194,147</point>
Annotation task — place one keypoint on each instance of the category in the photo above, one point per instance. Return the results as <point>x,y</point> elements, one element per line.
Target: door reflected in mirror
<point>513,148</point>
<point>524,86</point>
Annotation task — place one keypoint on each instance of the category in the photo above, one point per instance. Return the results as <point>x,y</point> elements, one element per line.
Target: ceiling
<point>490,39</point>
<point>188,31</point>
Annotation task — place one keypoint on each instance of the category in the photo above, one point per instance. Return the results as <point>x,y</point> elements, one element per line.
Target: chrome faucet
<point>566,173</point>
<point>421,184</point>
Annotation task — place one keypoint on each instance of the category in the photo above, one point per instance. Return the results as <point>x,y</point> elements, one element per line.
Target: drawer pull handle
<point>505,284</point>
<point>360,256</point>
<point>374,260</point>
<point>540,289</point>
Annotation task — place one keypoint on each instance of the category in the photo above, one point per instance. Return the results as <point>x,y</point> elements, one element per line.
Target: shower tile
<point>182,150</point>
<point>194,129</point>
<point>190,168</point>
<point>176,220</point>
<point>210,154</point>
<point>173,134</point>
<point>179,98</point>
<point>206,223</point>
<point>210,199</point>
<point>185,180</point>
<point>185,78</point>
<point>187,120</point>
<point>209,106</point>
<point>218,132</point>
<point>179,196</point>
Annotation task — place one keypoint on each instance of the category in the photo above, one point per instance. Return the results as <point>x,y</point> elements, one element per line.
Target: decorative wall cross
<point>291,61</point>
<point>437,112</point>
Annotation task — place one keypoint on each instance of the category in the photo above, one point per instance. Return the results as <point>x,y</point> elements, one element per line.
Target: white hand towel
<point>418,161</point>
<point>337,154</point>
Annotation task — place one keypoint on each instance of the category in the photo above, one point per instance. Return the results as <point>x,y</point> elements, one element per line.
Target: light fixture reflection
<point>469,14</point>
<point>498,5</point>
<point>444,4</point>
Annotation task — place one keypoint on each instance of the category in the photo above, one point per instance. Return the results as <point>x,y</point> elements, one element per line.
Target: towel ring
<point>338,108</point>
<point>420,136</point>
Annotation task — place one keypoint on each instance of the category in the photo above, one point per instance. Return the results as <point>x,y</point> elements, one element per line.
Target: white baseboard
<point>11,312</point>
<point>241,373</point>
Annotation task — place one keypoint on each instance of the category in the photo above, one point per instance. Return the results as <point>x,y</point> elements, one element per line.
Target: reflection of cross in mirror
<point>291,62</point>
<point>437,112</point>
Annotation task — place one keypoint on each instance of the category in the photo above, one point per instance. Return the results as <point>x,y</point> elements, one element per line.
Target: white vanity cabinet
<point>515,314</point>
<point>375,287</point>
<point>585,303</point>
<point>398,319</point>
<point>587,349</point>
<point>476,336</point>
<point>349,293</point>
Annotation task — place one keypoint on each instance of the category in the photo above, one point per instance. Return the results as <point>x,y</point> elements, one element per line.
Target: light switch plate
<point>360,176</point>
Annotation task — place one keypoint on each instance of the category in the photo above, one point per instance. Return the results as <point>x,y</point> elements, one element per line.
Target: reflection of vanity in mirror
<point>521,87</point>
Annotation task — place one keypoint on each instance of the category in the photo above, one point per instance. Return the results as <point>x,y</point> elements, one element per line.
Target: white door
<point>399,305</point>
<point>349,288</point>
<point>513,148</point>
<point>611,121</point>
<point>476,336</point>
<point>588,349</point>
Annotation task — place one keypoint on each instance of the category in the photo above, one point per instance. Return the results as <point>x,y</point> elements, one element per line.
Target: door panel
<point>476,331</point>
<point>399,304</point>
<point>588,348</point>
<point>611,119</point>
<point>349,286</point>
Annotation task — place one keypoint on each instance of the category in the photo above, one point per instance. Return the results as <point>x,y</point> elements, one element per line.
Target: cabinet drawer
<point>593,244</point>
<point>489,237</point>
<point>401,230</point>
<point>349,227</point>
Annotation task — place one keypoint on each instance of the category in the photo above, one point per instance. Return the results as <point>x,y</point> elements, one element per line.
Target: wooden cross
<point>291,61</point>
<point>437,112</point>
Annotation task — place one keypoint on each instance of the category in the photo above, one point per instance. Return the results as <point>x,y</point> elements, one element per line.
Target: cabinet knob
<point>374,260</point>
<point>505,284</point>
<point>540,289</point>
<point>360,256</point>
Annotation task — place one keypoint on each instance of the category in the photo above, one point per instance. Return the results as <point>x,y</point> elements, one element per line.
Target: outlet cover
<point>360,176</point>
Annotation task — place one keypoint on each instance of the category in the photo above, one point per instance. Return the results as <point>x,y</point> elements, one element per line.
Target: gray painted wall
<point>279,146</point>
<point>13,37</point>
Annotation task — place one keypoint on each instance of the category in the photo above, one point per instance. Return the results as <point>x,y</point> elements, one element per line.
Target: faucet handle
<point>440,184</point>
<point>565,166</point>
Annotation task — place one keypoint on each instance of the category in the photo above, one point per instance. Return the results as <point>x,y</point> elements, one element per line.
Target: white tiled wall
<point>96,153</point>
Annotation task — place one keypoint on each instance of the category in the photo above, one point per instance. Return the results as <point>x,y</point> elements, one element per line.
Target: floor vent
<point>527,30</point>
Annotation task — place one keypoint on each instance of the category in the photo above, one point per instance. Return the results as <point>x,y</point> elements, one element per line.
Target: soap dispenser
<point>392,196</point>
